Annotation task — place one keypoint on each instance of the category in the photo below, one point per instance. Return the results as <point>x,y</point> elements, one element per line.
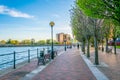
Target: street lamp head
<point>52,24</point>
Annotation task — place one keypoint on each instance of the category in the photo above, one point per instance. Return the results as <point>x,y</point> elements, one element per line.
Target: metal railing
<point>15,58</point>
<point>18,57</point>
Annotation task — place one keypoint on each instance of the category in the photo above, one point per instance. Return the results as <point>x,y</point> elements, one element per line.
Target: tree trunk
<point>96,45</point>
<point>83,47</point>
<point>88,48</point>
<point>106,44</point>
<point>96,51</point>
<point>114,49</point>
<point>102,46</point>
<point>114,39</point>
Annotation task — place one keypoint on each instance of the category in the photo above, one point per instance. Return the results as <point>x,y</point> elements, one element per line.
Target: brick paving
<point>112,70</point>
<point>20,72</point>
<point>16,74</point>
<point>68,66</point>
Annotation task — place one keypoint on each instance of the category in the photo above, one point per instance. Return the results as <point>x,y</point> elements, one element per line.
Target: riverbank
<point>19,54</point>
<point>23,68</point>
<point>30,45</point>
<point>73,68</point>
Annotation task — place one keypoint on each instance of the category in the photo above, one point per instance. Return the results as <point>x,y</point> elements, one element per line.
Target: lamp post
<point>52,53</point>
<point>65,39</point>
<point>65,44</point>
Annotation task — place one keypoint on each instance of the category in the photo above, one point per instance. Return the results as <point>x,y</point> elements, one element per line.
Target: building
<point>61,38</point>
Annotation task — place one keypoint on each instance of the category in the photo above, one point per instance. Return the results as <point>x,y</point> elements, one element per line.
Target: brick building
<point>61,37</point>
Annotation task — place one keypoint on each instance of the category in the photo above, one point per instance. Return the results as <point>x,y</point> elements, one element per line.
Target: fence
<point>11,59</point>
<point>17,57</point>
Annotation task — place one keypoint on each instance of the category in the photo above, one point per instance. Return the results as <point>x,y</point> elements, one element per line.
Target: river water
<point>21,54</point>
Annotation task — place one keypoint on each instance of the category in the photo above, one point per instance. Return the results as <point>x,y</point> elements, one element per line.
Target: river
<point>6,54</point>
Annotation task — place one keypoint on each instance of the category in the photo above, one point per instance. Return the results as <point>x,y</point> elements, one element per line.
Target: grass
<point>118,47</point>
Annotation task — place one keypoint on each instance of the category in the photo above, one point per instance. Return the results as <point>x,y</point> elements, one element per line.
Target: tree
<point>2,42</point>
<point>92,8</point>
<point>32,41</point>
<point>26,41</point>
<point>9,41</point>
<point>14,42</point>
<point>48,41</point>
<point>81,28</point>
<point>102,37</point>
<point>106,29</point>
<point>77,28</point>
<point>101,8</point>
<point>116,33</point>
<point>41,42</point>
<point>55,42</point>
<point>112,8</point>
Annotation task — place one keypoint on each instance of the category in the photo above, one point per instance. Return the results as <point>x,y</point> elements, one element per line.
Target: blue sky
<point>26,19</point>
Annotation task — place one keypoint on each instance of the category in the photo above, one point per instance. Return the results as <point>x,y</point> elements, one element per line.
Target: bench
<point>43,56</point>
<point>109,50</point>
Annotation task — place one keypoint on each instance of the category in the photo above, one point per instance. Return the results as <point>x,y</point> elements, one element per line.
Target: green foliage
<point>48,41</point>
<point>2,42</point>
<point>9,41</point>
<point>92,8</point>
<point>41,42</point>
<point>77,18</point>
<point>106,28</point>
<point>101,8</point>
<point>26,41</point>
<point>118,31</point>
<point>55,42</point>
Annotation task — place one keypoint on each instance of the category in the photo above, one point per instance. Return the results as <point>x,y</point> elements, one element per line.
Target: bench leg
<point>38,61</point>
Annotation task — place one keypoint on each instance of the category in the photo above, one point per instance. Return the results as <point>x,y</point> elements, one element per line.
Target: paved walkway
<point>109,64</point>
<point>20,72</point>
<point>68,66</point>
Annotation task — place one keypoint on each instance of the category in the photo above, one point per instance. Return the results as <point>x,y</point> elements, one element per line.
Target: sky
<point>27,19</point>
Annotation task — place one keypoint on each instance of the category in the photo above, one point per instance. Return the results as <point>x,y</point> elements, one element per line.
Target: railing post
<point>37,52</point>
<point>14,60</point>
<point>28,56</point>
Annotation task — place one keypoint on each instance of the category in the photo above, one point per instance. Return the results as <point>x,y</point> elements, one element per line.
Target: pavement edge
<point>96,72</point>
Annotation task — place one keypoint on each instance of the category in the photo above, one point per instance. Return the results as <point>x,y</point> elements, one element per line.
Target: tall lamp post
<point>65,39</point>
<point>52,52</point>
<point>65,44</point>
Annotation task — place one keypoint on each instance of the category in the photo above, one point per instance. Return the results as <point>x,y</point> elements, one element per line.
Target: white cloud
<point>13,13</point>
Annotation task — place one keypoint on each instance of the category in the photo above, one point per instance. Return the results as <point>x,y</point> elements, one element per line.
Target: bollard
<point>37,52</point>
<point>14,61</point>
<point>28,56</point>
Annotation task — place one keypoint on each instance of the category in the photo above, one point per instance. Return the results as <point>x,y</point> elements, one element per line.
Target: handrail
<point>6,54</point>
<point>15,59</point>
<point>21,58</point>
<point>33,49</point>
<point>22,51</point>
<point>6,62</point>
<point>28,56</point>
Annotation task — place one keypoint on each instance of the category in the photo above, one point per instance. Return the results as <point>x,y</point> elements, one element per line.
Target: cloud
<point>14,13</point>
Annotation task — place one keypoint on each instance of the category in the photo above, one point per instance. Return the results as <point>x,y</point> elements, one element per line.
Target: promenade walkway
<point>109,64</point>
<point>16,74</point>
<point>68,66</point>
